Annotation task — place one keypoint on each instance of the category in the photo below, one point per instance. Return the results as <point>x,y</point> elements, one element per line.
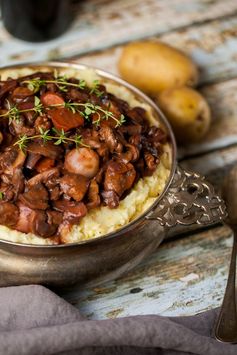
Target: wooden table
<point>188,274</point>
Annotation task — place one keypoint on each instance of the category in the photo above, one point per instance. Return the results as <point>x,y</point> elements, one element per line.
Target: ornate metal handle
<point>190,199</point>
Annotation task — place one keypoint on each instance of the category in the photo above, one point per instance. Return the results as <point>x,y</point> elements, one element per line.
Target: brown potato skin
<point>188,113</point>
<point>156,66</point>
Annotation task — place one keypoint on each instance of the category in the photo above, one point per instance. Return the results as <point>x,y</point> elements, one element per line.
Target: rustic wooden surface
<point>185,275</point>
<point>104,23</point>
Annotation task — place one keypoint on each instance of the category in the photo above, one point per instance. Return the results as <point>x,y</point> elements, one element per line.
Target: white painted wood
<point>183,277</point>
<point>103,23</point>
<point>217,161</point>
<point>212,45</point>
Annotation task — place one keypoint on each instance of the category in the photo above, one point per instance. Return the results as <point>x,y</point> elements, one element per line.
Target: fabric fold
<point>34,320</point>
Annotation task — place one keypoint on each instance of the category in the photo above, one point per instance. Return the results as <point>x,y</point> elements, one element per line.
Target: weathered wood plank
<point>214,165</point>
<point>212,45</point>
<point>182,277</point>
<point>101,24</point>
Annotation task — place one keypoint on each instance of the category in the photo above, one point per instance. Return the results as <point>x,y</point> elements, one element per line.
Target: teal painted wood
<point>183,277</point>
<point>102,24</point>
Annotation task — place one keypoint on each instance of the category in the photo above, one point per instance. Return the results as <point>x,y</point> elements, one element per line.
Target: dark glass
<point>36,20</point>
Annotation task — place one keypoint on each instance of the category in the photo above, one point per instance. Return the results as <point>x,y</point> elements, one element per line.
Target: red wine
<point>36,20</point>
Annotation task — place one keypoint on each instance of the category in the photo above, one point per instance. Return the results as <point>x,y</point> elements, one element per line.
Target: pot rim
<point>111,77</point>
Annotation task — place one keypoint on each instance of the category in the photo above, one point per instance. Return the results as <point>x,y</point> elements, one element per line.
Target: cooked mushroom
<point>34,221</point>
<point>43,177</point>
<point>74,185</point>
<point>119,177</point>
<point>72,211</point>
<point>35,198</point>
<point>93,195</point>
<point>107,135</point>
<point>9,214</point>
<point>47,149</point>
<point>110,198</point>
<point>32,160</point>
<point>1,137</point>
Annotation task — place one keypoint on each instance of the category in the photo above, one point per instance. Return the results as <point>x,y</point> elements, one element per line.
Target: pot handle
<point>190,199</point>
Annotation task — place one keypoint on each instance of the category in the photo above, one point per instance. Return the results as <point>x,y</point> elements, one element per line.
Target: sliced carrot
<point>44,165</point>
<point>51,98</point>
<point>65,119</point>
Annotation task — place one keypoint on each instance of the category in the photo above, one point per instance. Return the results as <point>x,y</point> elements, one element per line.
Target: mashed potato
<point>103,220</point>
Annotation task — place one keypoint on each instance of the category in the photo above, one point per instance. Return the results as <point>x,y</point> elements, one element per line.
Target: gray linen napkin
<point>35,321</point>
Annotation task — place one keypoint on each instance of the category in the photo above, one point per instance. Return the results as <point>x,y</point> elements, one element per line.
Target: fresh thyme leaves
<point>35,84</point>
<point>38,108</point>
<point>60,81</point>
<point>82,84</point>
<point>22,142</point>
<point>70,106</point>
<point>95,88</point>
<point>45,135</point>
<point>90,109</point>
<point>122,120</point>
<point>85,109</point>
<point>13,112</point>
<point>59,138</point>
<point>78,141</point>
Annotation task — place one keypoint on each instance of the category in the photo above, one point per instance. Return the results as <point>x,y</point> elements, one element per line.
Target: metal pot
<point>187,199</point>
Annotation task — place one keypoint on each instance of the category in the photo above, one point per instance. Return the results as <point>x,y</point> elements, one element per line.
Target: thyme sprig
<point>13,112</point>
<point>90,109</point>
<point>95,88</point>
<point>59,138</point>
<point>62,83</point>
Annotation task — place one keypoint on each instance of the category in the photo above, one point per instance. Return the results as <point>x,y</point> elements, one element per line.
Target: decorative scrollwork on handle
<point>190,199</point>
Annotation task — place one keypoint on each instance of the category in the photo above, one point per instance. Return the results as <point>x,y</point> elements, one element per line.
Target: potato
<point>187,111</point>
<point>156,66</point>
